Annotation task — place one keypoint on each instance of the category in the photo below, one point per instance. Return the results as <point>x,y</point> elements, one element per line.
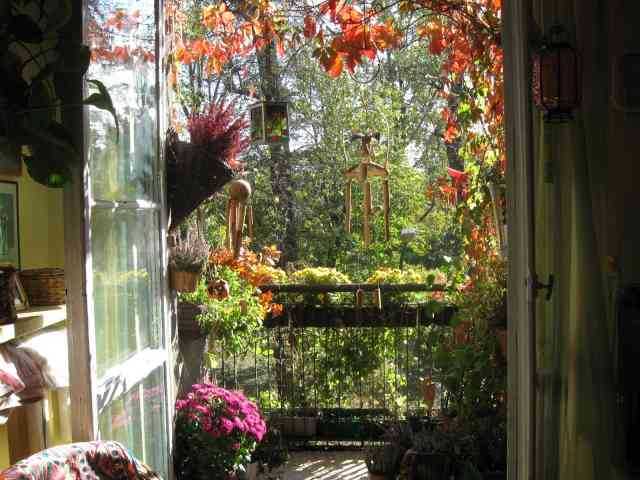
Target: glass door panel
<point>122,161</point>
<point>137,419</point>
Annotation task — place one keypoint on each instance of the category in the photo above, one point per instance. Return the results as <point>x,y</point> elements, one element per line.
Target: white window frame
<point>88,397</point>
<point>516,15</point>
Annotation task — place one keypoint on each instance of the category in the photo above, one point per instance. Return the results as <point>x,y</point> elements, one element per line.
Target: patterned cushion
<point>102,460</point>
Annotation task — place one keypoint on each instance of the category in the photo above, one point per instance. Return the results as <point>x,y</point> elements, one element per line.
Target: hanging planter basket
<point>270,122</point>
<point>193,176</point>
<point>183,281</point>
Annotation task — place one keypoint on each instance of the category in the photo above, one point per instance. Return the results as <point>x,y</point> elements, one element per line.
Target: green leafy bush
<point>235,320</point>
<point>319,276</point>
<point>393,276</point>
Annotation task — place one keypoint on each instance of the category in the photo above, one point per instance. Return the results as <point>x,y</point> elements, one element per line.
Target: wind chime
<point>239,211</point>
<point>363,173</point>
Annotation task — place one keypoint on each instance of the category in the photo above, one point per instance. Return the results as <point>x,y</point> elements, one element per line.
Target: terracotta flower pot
<point>501,333</point>
<point>184,282</point>
<point>376,476</point>
<point>428,466</point>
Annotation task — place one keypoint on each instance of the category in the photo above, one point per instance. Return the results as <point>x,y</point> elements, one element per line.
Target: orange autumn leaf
<point>429,392</point>
<point>332,62</point>
<point>437,42</point>
<point>276,309</point>
<point>310,27</point>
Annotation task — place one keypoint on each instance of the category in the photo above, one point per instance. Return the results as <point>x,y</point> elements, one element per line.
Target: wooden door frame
<point>521,346</point>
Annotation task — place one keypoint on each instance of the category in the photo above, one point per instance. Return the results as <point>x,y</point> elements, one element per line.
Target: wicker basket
<point>7,296</point>
<point>44,286</point>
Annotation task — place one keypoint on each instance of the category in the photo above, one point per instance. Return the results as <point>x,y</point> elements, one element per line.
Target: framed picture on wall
<point>9,238</point>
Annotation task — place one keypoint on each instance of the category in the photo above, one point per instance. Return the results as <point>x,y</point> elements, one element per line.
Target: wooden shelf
<point>32,320</point>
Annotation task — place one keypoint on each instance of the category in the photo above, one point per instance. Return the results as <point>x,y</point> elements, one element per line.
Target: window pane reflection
<point>137,420</point>
<point>121,36</point>
<point>126,284</point>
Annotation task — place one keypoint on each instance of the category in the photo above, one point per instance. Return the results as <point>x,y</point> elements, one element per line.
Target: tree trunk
<point>453,156</point>
<point>280,159</point>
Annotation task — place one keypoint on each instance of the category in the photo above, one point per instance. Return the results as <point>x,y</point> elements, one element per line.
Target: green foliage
<point>400,101</point>
<point>319,276</point>
<point>391,276</point>
<point>472,372</point>
<point>34,55</point>
<point>485,303</point>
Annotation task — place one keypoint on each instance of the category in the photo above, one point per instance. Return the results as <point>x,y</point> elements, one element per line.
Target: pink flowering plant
<point>216,432</point>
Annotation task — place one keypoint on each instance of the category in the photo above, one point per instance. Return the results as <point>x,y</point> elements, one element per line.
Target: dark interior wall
<point>587,232</point>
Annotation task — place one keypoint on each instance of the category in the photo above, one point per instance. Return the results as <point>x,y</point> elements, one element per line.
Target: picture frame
<point>9,224</point>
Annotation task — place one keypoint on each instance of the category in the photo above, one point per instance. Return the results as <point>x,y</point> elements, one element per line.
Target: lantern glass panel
<point>257,123</point>
<point>276,122</point>
<point>549,80</point>
<point>568,79</point>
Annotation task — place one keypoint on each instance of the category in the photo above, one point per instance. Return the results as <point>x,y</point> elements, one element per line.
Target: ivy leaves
<point>102,100</point>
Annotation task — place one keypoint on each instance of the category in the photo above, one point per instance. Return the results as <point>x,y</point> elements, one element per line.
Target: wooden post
<point>241,213</point>
<point>250,222</point>
<point>347,204</point>
<point>230,223</point>
<point>366,211</point>
<point>386,206</point>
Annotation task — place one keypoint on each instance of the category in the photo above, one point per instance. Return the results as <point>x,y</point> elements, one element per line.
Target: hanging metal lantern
<point>556,78</point>
<point>270,122</point>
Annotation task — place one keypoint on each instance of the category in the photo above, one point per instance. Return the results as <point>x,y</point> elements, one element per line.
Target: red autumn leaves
<point>358,35</point>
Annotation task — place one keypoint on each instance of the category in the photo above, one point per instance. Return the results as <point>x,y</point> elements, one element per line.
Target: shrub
<point>216,432</point>
<point>189,254</point>
<point>391,276</point>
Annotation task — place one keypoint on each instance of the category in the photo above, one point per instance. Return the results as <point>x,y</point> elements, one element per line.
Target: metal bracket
<point>537,285</point>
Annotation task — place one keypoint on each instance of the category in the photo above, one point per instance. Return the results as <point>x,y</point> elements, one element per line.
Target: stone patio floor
<point>343,465</point>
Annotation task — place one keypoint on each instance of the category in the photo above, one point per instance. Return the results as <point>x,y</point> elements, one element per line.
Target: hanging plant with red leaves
<point>198,169</point>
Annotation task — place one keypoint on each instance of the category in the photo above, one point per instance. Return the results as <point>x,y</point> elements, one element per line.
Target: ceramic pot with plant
<point>270,454</point>
<point>382,462</point>
<point>431,456</point>
<point>187,259</point>
<point>216,431</point>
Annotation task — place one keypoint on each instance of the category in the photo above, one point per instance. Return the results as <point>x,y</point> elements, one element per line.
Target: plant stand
<point>193,343</point>
<point>428,466</point>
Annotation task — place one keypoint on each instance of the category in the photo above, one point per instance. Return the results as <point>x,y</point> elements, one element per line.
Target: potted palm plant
<point>187,259</point>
